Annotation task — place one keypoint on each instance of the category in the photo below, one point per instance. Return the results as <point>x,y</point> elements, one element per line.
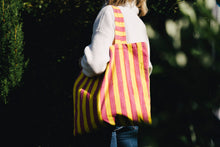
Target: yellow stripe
<point>143,79</point>
<point>86,126</point>
<point>133,80</point>
<point>120,42</point>
<point>150,119</point>
<point>115,7</point>
<point>127,101</point>
<point>115,84</point>
<point>120,24</point>
<point>120,15</point>
<point>74,98</point>
<point>120,33</point>
<point>99,105</point>
<point>78,106</point>
<point>107,99</point>
<point>91,103</point>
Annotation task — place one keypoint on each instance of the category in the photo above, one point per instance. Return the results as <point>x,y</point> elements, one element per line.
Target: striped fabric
<point>122,93</point>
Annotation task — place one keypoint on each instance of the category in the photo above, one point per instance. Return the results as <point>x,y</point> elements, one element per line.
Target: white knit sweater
<point>96,55</point>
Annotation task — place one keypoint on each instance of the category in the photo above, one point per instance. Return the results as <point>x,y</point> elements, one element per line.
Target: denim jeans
<point>125,137</point>
<point>120,136</point>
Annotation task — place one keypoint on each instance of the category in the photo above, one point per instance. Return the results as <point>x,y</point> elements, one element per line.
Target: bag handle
<point>120,34</point>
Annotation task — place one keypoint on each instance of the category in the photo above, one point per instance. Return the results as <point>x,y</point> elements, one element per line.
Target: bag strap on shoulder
<point>120,34</point>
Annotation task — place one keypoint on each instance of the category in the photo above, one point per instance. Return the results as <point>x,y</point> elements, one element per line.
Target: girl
<point>96,57</point>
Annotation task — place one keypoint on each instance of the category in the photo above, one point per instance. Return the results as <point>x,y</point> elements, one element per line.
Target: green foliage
<point>11,47</point>
<point>184,40</point>
<point>43,9</point>
<point>185,81</point>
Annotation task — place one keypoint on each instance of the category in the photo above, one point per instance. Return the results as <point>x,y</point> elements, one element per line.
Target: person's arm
<point>96,55</point>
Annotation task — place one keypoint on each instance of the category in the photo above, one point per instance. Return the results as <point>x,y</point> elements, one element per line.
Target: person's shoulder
<point>104,18</point>
<point>106,13</point>
<point>106,9</point>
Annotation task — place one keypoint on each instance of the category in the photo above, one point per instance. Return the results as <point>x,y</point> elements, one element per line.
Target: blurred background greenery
<point>185,83</point>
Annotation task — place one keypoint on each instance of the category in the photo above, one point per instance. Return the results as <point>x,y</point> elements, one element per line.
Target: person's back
<point>96,58</point>
<point>97,53</point>
<point>134,26</point>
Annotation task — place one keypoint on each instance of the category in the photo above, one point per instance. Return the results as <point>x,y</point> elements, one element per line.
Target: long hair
<point>141,4</point>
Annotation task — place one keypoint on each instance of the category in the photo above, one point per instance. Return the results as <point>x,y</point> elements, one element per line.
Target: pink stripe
<point>120,81</point>
<point>95,111</point>
<point>121,29</point>
<point>146,65</point>
<point>121,38</point>
<point>81,114</point>
<point>119,19</point>
<point>76,101</point>
<point>111,89</point>
<point>81,103</point>
<point>129,83</point>
<point>102,101</point>
<point>138,81</point>
<point>116,10</point>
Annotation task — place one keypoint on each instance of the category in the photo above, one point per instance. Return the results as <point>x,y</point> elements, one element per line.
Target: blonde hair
<point>141,4</point>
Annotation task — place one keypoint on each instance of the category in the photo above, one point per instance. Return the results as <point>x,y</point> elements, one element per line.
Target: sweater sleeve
<point>96,55</point>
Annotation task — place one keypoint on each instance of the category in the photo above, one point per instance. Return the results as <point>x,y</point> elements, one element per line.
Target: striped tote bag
<point>119,96</point>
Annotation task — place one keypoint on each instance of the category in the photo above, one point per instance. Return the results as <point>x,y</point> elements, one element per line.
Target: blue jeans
<point>120,136</point>
<point>125,137</point>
